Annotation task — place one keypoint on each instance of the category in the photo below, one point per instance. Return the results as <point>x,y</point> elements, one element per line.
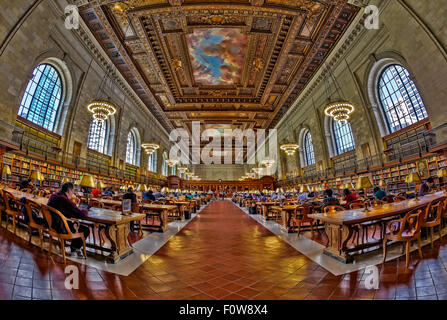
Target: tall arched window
<point>131,149</point>
<point>152,162</point>
<point>164,165</point>
<point>344,141</point>
<point>43,97</point>
<point>173,170</point>
<point>98,136</point>
<point>399,98</point>
<point>309,154</point>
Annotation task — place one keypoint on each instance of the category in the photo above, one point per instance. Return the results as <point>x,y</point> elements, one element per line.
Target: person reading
<point>62,202</point>
<point>349,197</point>
<point>425,188</point>
<point>379,193</point>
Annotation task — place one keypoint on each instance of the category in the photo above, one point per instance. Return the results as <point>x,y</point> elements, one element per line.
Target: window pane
<point>308,150</point>
<point>344,140</point>
<point>399,98</point>
<point>131,148</point>
<point>42,99</point>
<point>97,136</point>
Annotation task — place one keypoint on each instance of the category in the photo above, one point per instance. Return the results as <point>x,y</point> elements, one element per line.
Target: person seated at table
<point>425,188</point>
<point>62,202</point>
<point>96,193</point>
<point>25,184</point>
<point>379,193</point>
<point>130,195</point>
<point>149,195</point>
<point>311,194</point>
<point>108,192</point>
<point>330,197</point>
<point>303,196</point>
<point>189,196</point>
<point>349,196</point>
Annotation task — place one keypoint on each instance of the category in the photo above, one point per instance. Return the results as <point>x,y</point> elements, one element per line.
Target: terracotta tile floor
<point>222,254</point>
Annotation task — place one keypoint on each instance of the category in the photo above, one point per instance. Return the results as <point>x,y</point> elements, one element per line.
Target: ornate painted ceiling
<point>237,64</point>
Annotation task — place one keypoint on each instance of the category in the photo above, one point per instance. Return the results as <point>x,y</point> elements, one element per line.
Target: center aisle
<point>224,254</point>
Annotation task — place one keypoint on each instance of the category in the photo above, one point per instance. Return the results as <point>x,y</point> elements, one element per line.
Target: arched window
<point>131,149</point>
<point>399,98</point>
<point>309,154</point>
<point>173,170</point>
<point>43,97</point>
<point>152,162</point>
<point>98,136</point>
<point>343,138</point>
<point>164,165</point>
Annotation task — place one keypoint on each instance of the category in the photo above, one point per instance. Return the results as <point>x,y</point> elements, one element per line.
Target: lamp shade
<point>36,175</point>
<point>413,177</point>
<point>65,180</point>
<point>363,183</point>
<point>382,183</point>
<point>6,170</point>
<point>165,189</point>
<point>100,184</point>
<point>88,181</point>
<point>442,173</point>
<point>265,191</point>
<point>142,187</point>
<point>304,188</point>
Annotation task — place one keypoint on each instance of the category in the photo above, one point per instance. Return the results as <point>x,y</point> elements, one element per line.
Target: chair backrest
<point>95,203</point>
<point>304,210</point>
<point>2,201</point>
<point>434,211</point>
<point>147,201</point>
<point>29,207</point>
<point>399,199</point>
<point>27,190</point>
<point>10,201</point>
<point>376,203</point>
<point>135,207</point>
<point>50,214</point>
<point>356,204</point>
<point>106,197</point>
<point>388,199</point>
<point>158,202</point>
<point>332,208</point>
<point>412,222</point>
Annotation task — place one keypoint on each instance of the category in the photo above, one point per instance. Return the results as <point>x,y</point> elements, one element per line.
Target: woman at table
<point>61,201</point>
<point>349,197</point>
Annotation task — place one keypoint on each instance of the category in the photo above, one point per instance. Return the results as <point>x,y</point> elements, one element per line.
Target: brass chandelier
<point>149,147</point>
<point>101,110</point>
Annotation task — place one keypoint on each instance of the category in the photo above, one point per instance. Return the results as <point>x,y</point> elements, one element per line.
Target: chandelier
<point>190,174</point>
<point>289,148</point>
<point>172,162</point>
<point>340,111</point>
<point>101,110</point>
<point>257,170</point>
<point>149,148</point>
<point>268,163</point>
<point>338,107</point>
<point>182,169</point>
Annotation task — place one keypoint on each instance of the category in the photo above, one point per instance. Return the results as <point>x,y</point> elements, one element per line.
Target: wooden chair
<point>13,209</point>
<point>331,207</point>
<point>51,213</point>
<point>405,230</point>
<point>106,197</point>
<point>2,206</point>
<point>33,225</point>
<point>399,199</point>
<point>433,217</point>
<point>136,209</point>
<point>95,203</point>
<point>377,203</point>
<point>358,204</point>
<point>300,216</point>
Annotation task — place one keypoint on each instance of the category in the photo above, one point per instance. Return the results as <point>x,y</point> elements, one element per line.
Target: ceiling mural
<point>241,63</point>
<point>217,55</point>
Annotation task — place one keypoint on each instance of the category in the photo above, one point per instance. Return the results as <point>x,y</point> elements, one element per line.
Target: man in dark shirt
<point>133,198</point>
<point>25,184</point>
<point>62,202</point>
<point>426,187</point>
<point>330,197</point>
<point>149,195</point>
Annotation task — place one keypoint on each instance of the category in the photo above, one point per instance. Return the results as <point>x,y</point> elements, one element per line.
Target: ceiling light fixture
<point>101,110</point>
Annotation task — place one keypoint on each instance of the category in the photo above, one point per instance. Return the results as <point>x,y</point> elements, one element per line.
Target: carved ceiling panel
<point>238,61</point>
